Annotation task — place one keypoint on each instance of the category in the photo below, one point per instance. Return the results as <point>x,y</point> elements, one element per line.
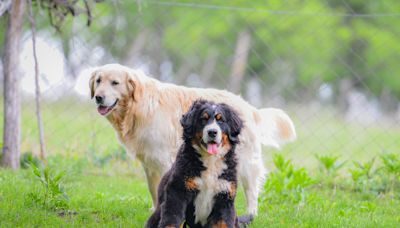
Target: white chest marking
<point>209,185</point>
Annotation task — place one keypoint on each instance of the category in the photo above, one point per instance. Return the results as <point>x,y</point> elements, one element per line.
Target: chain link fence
<point>327,70</point>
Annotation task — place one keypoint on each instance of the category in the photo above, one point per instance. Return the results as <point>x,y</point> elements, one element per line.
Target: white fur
<point>209,184</point>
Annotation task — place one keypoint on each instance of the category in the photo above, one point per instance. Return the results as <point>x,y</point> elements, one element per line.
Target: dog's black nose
<point>99,99</point>
<point>212,133</point>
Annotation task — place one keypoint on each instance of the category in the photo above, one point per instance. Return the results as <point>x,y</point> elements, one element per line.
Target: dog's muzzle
<point>212,136</point>
<point>103,109</point>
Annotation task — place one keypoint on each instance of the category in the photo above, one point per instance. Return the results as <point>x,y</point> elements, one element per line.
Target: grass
<point>324,179</point>
<point>341,209</point>
<point>94,200</point>
<point>123,200</point>
<point>323,132</point>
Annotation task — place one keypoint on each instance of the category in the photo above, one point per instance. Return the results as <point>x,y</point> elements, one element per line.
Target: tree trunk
<point>208,68</point>
<point>12,99</point>
<point>136,49</point>
<point>345,87</point>
<point>240,61</point>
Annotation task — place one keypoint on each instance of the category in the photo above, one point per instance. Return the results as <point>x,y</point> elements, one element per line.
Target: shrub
<point>27,159</point>
<point>287,182</point>
<point>362,175</point>
<point>391,167</point>
<point>330,167</point>
<point>51,195</point>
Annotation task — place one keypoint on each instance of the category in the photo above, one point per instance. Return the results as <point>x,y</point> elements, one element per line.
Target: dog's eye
<point>218,117</point>
<point>98,80</point>
<point>114,83</point>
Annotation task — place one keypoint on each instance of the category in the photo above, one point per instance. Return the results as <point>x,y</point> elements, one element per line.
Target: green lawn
<point>99,199</point>
<point>105,188</point>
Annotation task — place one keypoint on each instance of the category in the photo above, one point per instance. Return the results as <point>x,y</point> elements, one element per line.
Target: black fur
<point>175,199</point>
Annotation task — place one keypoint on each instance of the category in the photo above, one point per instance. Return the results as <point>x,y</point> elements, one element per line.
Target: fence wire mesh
<point>331,65</point>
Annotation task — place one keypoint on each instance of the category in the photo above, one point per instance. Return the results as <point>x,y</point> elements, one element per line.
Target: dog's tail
<point>275,127</point>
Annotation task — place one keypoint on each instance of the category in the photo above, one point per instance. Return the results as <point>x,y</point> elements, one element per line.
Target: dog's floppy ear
<point>187,122</point>
<point>91,83</point>
<point>189,118</point>
<point>133,87</point>
<point>234,122</point>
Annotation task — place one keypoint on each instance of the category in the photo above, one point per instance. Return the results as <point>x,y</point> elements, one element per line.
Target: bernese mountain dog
<point>200,188</point>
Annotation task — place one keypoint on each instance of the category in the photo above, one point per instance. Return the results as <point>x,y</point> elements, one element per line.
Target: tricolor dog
<point>200,188</point>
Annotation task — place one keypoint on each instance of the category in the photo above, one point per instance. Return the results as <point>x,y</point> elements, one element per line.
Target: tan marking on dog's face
<point>232,190</point>
<point>220,224</point>
<point>225,141</point>
<point>190,184</point>
<point>197,139</point>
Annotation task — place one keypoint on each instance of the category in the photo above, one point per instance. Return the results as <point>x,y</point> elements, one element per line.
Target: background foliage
<point>332,65</point>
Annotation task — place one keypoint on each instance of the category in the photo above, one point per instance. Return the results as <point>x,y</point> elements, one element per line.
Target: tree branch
<point>37,90</point>
<point>4,6</point>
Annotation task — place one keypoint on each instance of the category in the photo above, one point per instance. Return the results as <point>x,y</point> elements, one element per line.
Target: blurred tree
<point>240,61</point>
<point>367,47</point>
<point>295,46</point>
<point>12,93</point>
<point>57,11</point>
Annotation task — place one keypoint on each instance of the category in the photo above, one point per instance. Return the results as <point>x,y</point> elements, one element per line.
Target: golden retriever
<point>145,113</point>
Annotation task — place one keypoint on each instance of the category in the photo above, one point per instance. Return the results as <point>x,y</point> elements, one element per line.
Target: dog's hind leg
<point>154,219</point>
<point>252,184</point>
<point>251,174</point>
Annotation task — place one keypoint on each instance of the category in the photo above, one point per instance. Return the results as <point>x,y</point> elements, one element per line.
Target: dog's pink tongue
<point>102,110</point>
<point>212,148</point>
